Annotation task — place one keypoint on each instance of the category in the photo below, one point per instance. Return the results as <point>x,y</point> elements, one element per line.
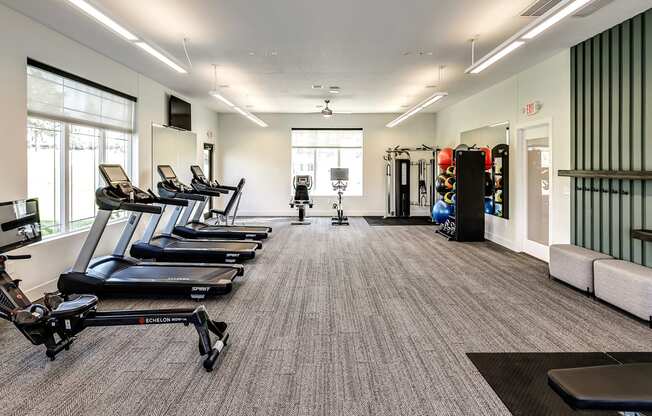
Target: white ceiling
<point>270,53</point>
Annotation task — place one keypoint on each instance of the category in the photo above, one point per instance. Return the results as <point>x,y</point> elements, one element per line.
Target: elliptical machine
<point>57,321</point>
<point>339,180</point>
<point>302,185</point>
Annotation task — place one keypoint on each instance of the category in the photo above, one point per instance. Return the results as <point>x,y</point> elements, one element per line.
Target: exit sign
<point>532,108</point>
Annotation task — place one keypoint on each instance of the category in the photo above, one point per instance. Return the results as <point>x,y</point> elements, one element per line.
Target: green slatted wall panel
<point>611,129</point>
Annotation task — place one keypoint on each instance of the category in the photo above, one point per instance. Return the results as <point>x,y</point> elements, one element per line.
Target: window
<point>72,127</point>
<point>315,152</point>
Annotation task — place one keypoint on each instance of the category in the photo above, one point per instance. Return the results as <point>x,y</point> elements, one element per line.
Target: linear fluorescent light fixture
<point>127,35</point>
<point>158,55</point>
<point>491,59</point>
<point>556,18</point>
<point>222,98</point>
<point>423,104</point>
<point>104,19</point>
<point>245,113</point>
<point>553,16</point>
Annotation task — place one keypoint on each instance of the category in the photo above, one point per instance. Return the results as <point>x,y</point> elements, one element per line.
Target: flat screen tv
<point>179,113</point>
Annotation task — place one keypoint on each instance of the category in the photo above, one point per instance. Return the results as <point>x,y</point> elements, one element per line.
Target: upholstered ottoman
<point>574,265</point>
<point>625,285</point>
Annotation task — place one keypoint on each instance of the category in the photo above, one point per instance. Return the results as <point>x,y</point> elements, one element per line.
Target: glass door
<point>537,165</point>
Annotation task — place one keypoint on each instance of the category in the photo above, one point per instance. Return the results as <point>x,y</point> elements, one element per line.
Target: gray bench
<point>625,285</point>
<point>574,265</point>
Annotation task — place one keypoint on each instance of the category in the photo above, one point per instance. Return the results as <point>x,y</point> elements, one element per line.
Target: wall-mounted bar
<point>643,175</point>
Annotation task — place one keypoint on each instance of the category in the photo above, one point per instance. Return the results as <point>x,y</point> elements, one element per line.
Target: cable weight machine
<point>399,164</point>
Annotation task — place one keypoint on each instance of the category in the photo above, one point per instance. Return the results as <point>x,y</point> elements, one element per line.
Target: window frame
<point>65,192</point>
<point>339,157</point>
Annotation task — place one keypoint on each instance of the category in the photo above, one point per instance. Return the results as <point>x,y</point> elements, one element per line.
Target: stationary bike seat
<point>74,306</point>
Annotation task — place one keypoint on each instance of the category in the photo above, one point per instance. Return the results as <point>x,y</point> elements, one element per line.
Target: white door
<point>536,170</point>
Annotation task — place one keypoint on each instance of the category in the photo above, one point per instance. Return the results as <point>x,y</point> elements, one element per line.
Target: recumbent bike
<point>56,322</point>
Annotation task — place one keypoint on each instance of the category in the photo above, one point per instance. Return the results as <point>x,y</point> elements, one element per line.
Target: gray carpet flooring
<point>353,320</point>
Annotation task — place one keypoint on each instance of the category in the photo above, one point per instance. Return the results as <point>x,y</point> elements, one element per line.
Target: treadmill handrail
<point>136,207</point>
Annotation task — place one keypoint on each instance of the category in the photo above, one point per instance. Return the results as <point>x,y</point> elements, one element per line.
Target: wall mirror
<point>496,138</point>
<point>177,148</point>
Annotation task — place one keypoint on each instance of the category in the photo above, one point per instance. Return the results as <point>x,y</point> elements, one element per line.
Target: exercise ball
<point>487,157</point>
<point>450,171</point>
<point>488,184</point>
<point>450,182</point>
<point>499,196</point>
<point>445,158</point>
<point>441,211</point>
<point>440,184</point>
<point>449,198</point>
<point>498,210</point>
<point>488,206</point>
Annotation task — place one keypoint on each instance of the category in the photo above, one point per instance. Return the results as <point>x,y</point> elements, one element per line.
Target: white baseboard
<point>501,241</point>
<point>309,213</point>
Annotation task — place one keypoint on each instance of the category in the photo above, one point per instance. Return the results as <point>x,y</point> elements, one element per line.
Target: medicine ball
<point>441,211</point>
<point>488,206</point>
<point>499,196</point>
<point>440,184</point>
<point>449,198</point>
<point>488,184</point>
<point>445,158</point>
<point>450,171</point>
<point>450,182</point>
<point>498,210</point>
<point>487,157</point>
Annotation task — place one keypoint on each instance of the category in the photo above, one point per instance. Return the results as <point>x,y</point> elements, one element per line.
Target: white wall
<point>548,82</point>
<point>262,156</point>
<point>22,37</point>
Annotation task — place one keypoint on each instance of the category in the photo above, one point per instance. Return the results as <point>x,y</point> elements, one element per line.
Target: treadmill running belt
<point>171,275</point>
<point>203,245</point>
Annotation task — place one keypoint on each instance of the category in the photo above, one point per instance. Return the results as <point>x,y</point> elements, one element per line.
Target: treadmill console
<point>198,178</point>
<point>120,187</point>
<point>168,176</point>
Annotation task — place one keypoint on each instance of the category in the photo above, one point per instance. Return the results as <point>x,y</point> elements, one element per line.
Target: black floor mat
<point>380,221</point>
<point>520,379</point>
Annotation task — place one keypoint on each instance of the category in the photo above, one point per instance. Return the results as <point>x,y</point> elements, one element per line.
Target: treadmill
<point>195,228</point>
<point>201,183</point>
<point>118,274</point>
<point>168,247</point>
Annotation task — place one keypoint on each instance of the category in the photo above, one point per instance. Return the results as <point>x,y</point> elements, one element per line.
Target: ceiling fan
<point>328,112</point>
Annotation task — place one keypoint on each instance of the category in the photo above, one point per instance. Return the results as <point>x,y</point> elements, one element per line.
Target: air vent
<point>539,8</point>
<point>592,8</point>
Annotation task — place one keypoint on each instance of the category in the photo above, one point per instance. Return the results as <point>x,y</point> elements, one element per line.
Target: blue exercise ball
<point>488,206</point>
<point>441,211</point>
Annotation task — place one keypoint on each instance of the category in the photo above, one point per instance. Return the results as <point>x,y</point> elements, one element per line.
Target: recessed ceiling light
<point>317,87</point>
<point>334,90</point>
<point>224,86</point>
<point>319,106</point>
<point>407,53</point>
<point>405,106</point>
<point>249,106</point>
<point>431,86</point>
<point>273,53</point>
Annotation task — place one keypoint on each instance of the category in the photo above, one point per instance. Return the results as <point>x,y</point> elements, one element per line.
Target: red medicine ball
<point>487,157</point>
<point>445,158</point>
